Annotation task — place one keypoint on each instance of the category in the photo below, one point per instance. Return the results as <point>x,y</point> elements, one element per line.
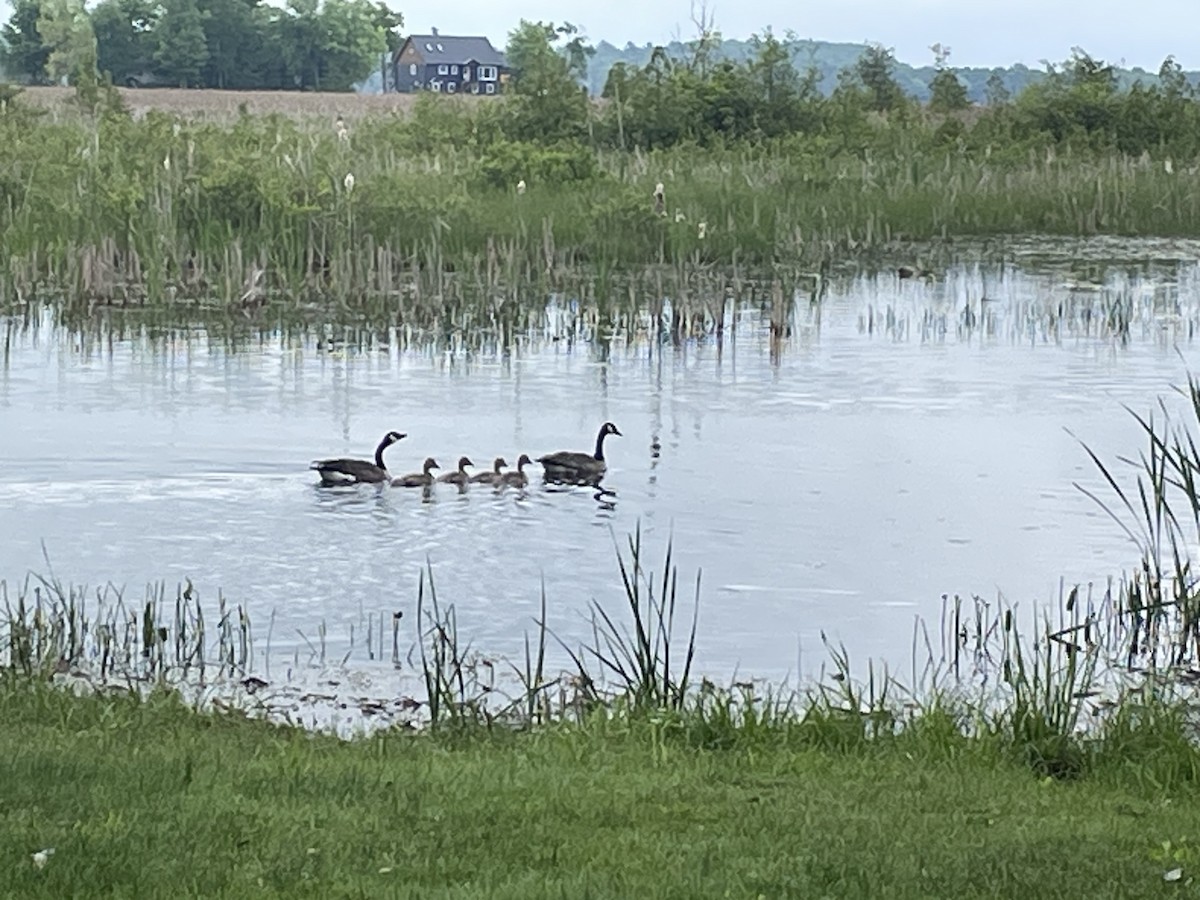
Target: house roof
<point>445,48</point>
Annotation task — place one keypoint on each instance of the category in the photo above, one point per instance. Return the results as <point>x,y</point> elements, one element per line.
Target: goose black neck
<point>599,454</point>
<point>383,445</point>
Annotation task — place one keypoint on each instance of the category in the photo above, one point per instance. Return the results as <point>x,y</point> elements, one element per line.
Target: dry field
<point>226,105</point>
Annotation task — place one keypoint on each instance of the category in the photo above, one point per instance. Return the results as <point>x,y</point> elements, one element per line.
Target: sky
<point>1129,32</point>
<point>1141,33</point>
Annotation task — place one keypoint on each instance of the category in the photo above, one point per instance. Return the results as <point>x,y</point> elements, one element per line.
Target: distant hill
<point>831,58</point>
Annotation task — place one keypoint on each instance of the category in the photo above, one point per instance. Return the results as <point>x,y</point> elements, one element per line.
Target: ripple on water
<point>843,488</point>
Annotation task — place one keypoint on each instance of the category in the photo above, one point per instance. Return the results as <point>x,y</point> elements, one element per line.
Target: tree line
<point>231,44</point>
<point>701,98</point>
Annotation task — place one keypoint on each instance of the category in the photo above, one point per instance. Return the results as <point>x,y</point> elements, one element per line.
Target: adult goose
<point>417,479</point>
<point>518,478</point>
<point>573,465</point>
<point>492,477</point>
<point>357,471</point>
<point>459,477</point>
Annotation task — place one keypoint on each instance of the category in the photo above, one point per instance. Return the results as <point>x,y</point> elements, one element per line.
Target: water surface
<point>894,448</point>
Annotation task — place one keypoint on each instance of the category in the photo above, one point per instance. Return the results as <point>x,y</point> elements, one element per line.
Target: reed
<point>165,211</point>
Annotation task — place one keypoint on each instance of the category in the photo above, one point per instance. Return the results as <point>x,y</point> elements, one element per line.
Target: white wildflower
<point>167,162</point>
<point>679,216</point>
<point>1173,875</point>
<point>521,186</point>
<point>1167,165</point>
<point>702,232</point>
<point>42,856</point>
<point>348,181</point>
<point>343,134</point>
<point>175,129</point>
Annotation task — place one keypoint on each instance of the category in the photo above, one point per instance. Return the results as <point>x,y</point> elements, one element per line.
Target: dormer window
<point>441,49</point>
<point>429,47</point>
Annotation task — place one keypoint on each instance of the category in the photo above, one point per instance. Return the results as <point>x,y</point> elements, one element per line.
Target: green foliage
<point>510,162</point>
<point>22,49</point>
<point>875,73</point>
<point>182,46</point>
<point>327,45</point>
<point>66,31</point>
<point>948,94</point>
<point>548,104</point>
<point>125,37</point>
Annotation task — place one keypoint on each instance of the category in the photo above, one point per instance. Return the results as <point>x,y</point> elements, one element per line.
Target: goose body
<point>357,471</point>
<point>573,464</point>
<point>417,479</point>
<point>459,477</point>
<point>518,478</point>
<point>492,477</point>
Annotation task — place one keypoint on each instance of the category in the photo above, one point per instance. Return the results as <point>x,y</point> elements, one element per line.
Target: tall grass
<point>163,210</point>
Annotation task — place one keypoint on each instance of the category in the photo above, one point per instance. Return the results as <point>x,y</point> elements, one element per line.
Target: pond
<point>891,450</point>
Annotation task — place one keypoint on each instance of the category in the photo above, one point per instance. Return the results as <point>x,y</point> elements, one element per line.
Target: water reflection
<point>832,466</point>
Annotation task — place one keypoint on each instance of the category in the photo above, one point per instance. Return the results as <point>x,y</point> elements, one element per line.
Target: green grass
<point>163,210</point>
<point>150,799</point>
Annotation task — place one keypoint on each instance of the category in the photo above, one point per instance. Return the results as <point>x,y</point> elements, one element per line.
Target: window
<point>451,87</point>
<point>412,70</point>
<point>475,89</point>
<point>435,86</point>
<point>441,49</point>
<point>491,89</point>
<point>487,73</point>
<point>429,47</point>
<point>466,73</point>
<point>443,69</point>
<point>454,70</point>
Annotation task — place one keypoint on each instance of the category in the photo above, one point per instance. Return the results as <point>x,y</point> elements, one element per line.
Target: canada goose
<point>575,464</point>
<point>417,479</point>
<point>517,478</point>
<point>357,471</point>
<point>460,477</point>
<point>491,477</point>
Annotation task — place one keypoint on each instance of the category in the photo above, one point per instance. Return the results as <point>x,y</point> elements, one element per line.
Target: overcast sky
<point>979,33</point>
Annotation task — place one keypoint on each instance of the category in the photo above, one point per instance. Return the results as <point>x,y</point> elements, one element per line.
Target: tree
<point>182,45</point>
<point>549,103</point>
<point>947,93</point>
<point>67,33</point>
<point>874,72</point>
<point>995,92</point>
<point>390,24</point>
<point>351,40</point>
<point>125,40</point>
<point>21,48</point>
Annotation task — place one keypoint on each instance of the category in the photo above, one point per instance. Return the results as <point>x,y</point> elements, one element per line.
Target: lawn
<point>149,799</point>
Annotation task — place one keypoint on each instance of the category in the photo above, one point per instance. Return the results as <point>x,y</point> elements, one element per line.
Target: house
<point>449,65</point>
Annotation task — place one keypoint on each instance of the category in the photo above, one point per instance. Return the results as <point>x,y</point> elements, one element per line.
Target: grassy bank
<point>399,214</point>
<point>148,799</point>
